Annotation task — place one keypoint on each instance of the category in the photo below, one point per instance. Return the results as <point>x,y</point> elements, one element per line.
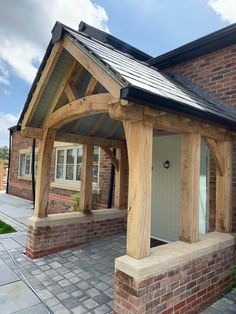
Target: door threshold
<point>156,242</point>
<point>162,239</point>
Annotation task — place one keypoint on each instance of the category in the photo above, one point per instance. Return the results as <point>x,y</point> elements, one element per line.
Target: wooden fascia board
<point>94,66</point>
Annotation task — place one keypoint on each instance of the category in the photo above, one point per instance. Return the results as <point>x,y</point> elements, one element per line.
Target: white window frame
<point>65,183</point>
<point>26,152</point>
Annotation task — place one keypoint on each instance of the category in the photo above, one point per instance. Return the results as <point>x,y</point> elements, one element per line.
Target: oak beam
<point>85,106</point>
<point>43,174</point>
<point>69,93</point>
<point>86,179</point>
<point>29,132</point>
<point>91,86</point>
<point>119,200</point>
<point>44,78</point>
<point>113,158</point>
<point>224,189</point>
<point>92,65</point>
<point>216,154</point>
<point>37,133</point>
<point>139,144</point>
<point>166,121</point>
<point>61,87</point>
<point>189,187</point>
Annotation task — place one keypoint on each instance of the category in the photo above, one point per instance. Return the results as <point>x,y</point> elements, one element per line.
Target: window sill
<point>70,186</point>
<point>27,178</point>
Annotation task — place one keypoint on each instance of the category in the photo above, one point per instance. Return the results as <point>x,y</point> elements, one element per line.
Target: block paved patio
<point>78,280</point>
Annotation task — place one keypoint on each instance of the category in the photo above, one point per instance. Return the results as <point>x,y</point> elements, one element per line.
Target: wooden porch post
<point>189,187</point>
<point>43,174</point>
<point>86,179</point>
<point>120,179</point>
<point>224,189</point>
<point>139,143</point>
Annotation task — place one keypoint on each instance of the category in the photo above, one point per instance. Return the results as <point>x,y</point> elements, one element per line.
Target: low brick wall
<point>186,288</point>
<point>63,234</point>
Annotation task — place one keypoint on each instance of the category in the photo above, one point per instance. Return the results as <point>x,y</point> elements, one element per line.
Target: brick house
<point>174,117</point>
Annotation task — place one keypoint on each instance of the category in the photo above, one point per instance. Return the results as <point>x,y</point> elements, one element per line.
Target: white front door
<point>165,188</point>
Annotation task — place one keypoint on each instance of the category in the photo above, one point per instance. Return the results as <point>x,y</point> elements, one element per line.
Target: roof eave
<point>143,97</point>
<point>197,48</point>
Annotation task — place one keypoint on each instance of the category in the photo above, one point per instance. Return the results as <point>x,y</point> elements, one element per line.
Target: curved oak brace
<point>85,106</point>
<point>216,154</point>
<point>113,158</point>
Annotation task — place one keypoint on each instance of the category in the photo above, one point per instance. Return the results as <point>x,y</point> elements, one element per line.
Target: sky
<point>154,26</point>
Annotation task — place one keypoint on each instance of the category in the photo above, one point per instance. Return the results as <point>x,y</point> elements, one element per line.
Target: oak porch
<point>138,131</point>
<point>101,101</point>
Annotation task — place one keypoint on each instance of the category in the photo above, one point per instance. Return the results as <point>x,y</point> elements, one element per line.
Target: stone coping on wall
<point>167,256</point>
<point>74,218</point>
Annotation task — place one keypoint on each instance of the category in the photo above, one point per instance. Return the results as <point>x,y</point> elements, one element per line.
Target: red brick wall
<point>216,73</point>
<point>188,288</point>
<point>59,199</point>
<point>18,187</point>
<point>45,240</point>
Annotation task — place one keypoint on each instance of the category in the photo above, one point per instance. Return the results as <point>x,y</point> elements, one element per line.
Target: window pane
<point>78,172</point>
<point>22,165</point>
<point>59,171</point>
<point>60,156</point>
<point>69,164</point>
<point>27,164</point>
<point>69,172</point>
<point>69,156</point>
<point>79,155</point>
<point>35,164</point>
<point>96,153</point>
<point>95,172</point>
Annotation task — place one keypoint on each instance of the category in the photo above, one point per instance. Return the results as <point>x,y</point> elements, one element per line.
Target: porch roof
<point>144,84</point>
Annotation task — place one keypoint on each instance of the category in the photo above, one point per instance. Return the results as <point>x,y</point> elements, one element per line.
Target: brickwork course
<point>188,288</point>
<point>46,240</point>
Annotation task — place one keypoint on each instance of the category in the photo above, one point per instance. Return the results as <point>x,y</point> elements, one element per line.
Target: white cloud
<point>4,75</point>
<point>6,121</point>
<point>225,8</point>
<point>25,28</point>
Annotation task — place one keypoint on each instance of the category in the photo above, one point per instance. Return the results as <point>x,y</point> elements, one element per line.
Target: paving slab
<point>10,244</point>
<point>35,309</point>
<point>7,275</point>
<point>15,297</point>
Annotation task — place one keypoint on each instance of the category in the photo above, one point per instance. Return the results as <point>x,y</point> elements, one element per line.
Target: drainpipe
<point>111,184</point>
<point>9,160</point>
<point>33,170</point>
